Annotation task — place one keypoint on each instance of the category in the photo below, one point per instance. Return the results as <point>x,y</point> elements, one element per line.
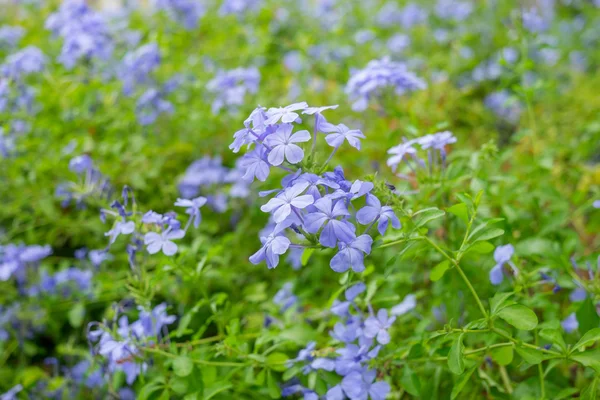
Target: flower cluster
<point>63,282</point>
<point>410,15</point>
<point>504,105</point>
<point>214,181</point>
<point>239,7</point>
<point>230,87</point>
<point>453,10</point>
<point>85,33</point>
<point>376,77</point>
<point>586,285</point>
<point>435,144</point>
<point>121,347</point>
<point>137,65</point>
<point>14,260</point>
<point>91,183</point>
<point>359,338</point>
<point>10,36</point>
<point>314,206</point>
<point>185,12</point>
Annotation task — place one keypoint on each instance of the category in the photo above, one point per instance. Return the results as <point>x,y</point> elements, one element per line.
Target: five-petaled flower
<point>156,242</point>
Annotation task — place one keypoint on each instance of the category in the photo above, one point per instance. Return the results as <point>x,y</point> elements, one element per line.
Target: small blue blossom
<point>351,254</point>
<point>282,145</point>
<point>186,12</point>
<point>230,88</point>
<point>570,323</point>
<point>192,208</point>
<point>291,199</point>
<point>502,255</point>
<point>373,211</point>
<point>10,36</point>
<point>156,242</point>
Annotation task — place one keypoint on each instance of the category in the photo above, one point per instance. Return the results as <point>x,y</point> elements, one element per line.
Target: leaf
<point>503,355</point>
<point>183,366</point>
<point>461,382</point>
<point>410,382</point>
<point>272,386</point>
<point>460,210</point>
<point>534,246</point>
<point>588,358</point>
<point>480,248</point>
<point>439,270</point>
<point>488,234</point>
<point>499,301</point>
<point>456,363</point>
<point>530,356</point>
<point>215,389</point>
<point>480,229</point>
<point>422,217</point>
<point>587,316</point>
<point>306,256</point>
<point>590,337</point>
<point>276,361</point>
<point>591,391</point>
<point>151,387</point>
<point>519,316</point>
<point>76,315</point>
<point>555,337</point>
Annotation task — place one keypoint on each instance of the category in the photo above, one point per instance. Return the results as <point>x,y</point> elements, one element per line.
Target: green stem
<point>462,274</point>
<point>195,361</point>
<point>523,344</point>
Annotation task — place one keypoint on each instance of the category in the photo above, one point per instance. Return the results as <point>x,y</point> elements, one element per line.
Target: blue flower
<point>351,255</point>
<point>373,211</point>
<point>408,303</point>
<point>156,242</point>
<point>255,164</point>
<point>193,208</point>
<point>377,327</point>
<point>230,87</point>
<point>274,245</point>
<point>285,298</point>
<point>358,385</point>
<point>24,62</point>
<point>377,76</point>
<point>282,144</point>
<point>239,7</point>
<point>186,12</point>
<point>570,323</point>
<point>10,36</point>
<point>337,134</point>
<point>137,66</point>
<point>291,199</point>
<point>502,255</point>
<point>286,114</point>
<point>150,105</point>
<point>121,227</point>
<point>326,213</point>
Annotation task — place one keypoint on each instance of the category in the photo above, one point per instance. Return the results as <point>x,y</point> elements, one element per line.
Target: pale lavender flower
<point>186,12</point>
<point>400,152</point>
<point>192,208</point>
<point>291,199</point>
<point>150,105</point>
<point>156,242</point>
<point>502,255</point>
<point>10,36</point>
<point>230,87</point>
<point>334,230</point>
<point>286,114</point>
<point>24,62</point>
<point>282,144</point>
<point>337,134</point>
<point>255,164</point>
<point>570,323</point>
<point>274,245</point>
<point>137,65</point>
<point>351,255</point>
<point>376,327</point>
<point>373,211</point>
<point>408,303</point>
<point>120,228</point>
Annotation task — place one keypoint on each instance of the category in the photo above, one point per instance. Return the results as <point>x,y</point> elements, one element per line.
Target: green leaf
<point>76,315</point>
<point>530,356</point>
<point>456,363</point>
<point>589,359</point>
<point>590,337</point>
<point>183,366</point>
<point>587,316</point>
<point>439,270</point>
<point>215,389</point>
<point>460,383</point>
<point>480,248</point>
<point>499,301</point>
<point>277,361</point>
<point>460,210</point>
<point>410,382</point>
<point>151,387</point>
<point>591,391</point>
<point>502,355</point>
<point>422,217</point>
<point>273,386</point>
<point>306,256</point>
<point>480,229</point>
<point>519,316</point>
<point>555,337</point>
<point>488,234</point>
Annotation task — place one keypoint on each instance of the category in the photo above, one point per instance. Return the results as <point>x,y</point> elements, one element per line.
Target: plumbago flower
<point>502,256</point>
<point>185,12</point>
<point>378,76</point>
<point>311,207</point>
<point>352,351</point>
<point>230,88</point>
<point>435,144</point>
<point>120,348</point>
<point>91,183</point>
<point>85,33</point>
